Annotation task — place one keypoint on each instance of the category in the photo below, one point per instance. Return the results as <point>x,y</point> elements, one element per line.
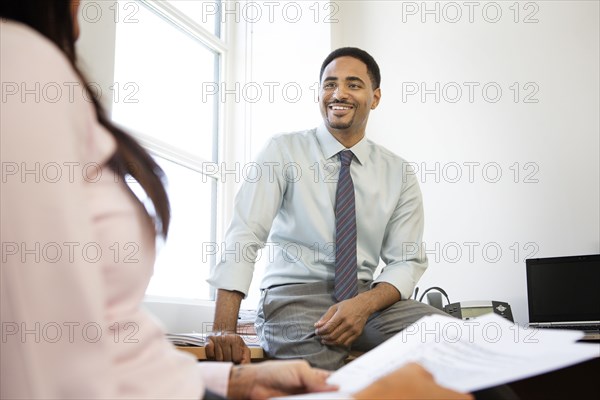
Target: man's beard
<point>340,125</point>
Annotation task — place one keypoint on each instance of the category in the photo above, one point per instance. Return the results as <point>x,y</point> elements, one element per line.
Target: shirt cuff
<point>401,278</point>
<point>216,376</point>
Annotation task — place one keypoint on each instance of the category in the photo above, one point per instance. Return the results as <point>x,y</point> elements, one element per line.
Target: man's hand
<point>276,378</point>
<point>224,344</point>
<point>343,322</point>
<point>409,382</point>
<point>227,346</point>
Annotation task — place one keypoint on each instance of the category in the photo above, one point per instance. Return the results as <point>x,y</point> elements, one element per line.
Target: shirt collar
<point>330,146</point>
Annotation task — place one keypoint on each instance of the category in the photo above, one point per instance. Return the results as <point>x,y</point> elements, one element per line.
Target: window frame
<point>230,123</point>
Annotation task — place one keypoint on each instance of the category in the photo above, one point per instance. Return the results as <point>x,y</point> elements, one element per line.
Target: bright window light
<point>160,72</point>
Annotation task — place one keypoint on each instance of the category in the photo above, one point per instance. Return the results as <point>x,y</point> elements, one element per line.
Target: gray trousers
<point>286,317</point>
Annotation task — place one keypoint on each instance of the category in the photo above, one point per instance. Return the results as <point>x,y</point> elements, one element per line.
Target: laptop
<point>564,293</point>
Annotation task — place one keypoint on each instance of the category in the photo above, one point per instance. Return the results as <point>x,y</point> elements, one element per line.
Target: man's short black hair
<point>372,67</point>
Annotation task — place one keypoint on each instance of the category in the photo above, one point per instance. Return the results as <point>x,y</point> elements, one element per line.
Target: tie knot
<point>346,157</point>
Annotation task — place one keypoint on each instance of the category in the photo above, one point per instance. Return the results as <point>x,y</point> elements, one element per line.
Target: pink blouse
<point>77,248</point>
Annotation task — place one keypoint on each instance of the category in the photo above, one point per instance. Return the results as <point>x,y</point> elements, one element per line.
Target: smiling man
<point>347,95</point>
<point>330,204</point>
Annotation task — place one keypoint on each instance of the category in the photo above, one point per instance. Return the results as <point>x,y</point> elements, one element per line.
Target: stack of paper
<point>465,355</point>
<point>199,339</point>
<point>468,355</point>
<point>245,323</point>
<point>187,339</point>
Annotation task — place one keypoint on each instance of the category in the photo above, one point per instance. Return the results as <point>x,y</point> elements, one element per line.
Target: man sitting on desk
<point>330,203</point>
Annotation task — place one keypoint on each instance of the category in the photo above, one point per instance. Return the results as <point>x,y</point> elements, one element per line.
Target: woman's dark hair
<point>355,52</point>
<point>53,19</point>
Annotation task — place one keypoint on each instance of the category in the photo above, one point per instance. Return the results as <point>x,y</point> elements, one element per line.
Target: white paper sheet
<point>468,355</point>
<point>465,355</point>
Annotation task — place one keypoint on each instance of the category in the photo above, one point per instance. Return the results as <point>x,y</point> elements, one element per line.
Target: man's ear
<point>376,98</point>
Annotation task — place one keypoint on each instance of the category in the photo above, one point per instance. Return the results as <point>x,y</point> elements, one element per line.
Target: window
<point>168,61</point>
<point>205,13</point>
<point>163,59</point>
<point>161,71</point>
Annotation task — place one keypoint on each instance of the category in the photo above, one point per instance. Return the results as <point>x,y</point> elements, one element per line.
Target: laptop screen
<point>564,289</point>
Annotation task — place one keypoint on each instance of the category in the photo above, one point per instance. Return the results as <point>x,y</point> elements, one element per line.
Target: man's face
<point>346,95</point>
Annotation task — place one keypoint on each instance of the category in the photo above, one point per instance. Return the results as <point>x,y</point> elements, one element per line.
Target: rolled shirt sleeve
<point>216,376</point>
<point>255,207</point>
<point>402,249</point>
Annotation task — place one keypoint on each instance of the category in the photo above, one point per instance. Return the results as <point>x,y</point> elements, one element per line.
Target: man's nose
<point>340,93</point>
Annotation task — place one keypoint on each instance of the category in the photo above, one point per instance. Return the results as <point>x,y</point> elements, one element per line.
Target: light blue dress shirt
<point>287,207</point>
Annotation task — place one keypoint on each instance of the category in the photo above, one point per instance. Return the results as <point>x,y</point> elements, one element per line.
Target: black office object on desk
<point>474,309</point>
<point>564,293</point>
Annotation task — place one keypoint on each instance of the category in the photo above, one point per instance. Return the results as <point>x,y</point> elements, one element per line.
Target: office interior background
<point>494,104</point>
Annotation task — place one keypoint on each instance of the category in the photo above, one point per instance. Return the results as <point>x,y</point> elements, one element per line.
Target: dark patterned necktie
<point>346,281</point>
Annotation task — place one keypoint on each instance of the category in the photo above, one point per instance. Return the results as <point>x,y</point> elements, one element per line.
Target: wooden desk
<point>256,353</point>
<point>579,381</point>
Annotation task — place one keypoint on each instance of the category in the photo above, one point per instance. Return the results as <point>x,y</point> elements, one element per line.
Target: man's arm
<point>255,207</point>
<point>402,250</point>
<point>343,322</point>
<point>224,344</point>
<point>226,310</point>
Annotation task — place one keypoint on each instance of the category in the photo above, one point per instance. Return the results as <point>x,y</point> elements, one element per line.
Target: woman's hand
<point>276,378</point>
<point>409,382</point>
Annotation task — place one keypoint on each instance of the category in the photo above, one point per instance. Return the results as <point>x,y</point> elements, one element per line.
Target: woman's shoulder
<point>28,55</point>
<point>45,100</point>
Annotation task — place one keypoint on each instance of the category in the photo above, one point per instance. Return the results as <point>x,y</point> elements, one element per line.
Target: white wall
<point>96,45</point>
<point>182,315</point>
<point>553,207</point>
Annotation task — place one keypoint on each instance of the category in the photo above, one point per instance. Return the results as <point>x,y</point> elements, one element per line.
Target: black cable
<point>439,289</point>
